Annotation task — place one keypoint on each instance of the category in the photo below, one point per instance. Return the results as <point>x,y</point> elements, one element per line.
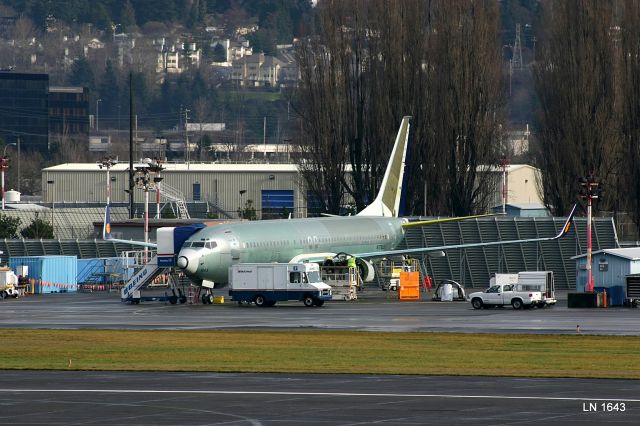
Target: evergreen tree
<point>9,226</point>
<point>128,17</point>
<point>82,74</point>
<point>38,228</point>
<point>219,53</point>
<point>109,89</point>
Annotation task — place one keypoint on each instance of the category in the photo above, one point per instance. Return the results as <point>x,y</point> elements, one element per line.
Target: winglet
<point>567,225</point>
<point>387,202</point>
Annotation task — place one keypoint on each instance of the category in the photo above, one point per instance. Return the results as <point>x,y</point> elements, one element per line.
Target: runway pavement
<point>101,398</point>
<point>373,312</point>
<point>112,398</point>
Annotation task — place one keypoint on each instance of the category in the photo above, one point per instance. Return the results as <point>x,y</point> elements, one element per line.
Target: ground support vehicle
<point>343,281</point>
<point>505,294</point>
<point>267,283</point>
<point>8,282</point>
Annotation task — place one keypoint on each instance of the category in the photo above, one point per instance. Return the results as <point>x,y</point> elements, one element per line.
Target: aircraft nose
<point>183,262</point>
<point>188,262</point>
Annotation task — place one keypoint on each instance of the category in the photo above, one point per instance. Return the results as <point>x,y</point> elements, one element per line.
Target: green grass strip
<point>316,351</point>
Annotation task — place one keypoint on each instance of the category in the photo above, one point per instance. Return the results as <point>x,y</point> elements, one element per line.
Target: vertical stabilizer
<point>106,226</point>
<point>387,202</point>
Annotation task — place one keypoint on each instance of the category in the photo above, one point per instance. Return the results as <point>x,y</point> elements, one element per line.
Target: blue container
<point>615,294</point>
<point>51,274</point>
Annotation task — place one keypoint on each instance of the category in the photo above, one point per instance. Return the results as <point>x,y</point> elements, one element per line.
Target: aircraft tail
<point>106,225</point>
<point>388,201</point>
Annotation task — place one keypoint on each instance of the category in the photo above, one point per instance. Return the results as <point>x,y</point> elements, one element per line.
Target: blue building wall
<point>609,272</point>
<point>50,274</point>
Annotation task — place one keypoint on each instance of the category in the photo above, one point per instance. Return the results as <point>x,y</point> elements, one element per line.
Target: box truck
<point>267,283</point>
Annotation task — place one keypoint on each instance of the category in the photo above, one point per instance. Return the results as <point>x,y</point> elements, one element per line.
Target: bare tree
<point>373,62</point>
<point>629,88</point>
<point>574,82</point>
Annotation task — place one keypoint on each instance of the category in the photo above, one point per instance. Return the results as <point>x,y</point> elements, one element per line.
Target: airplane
<point>375,232</point>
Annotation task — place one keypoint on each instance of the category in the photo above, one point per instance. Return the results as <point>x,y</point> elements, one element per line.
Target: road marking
<point>337,394</point>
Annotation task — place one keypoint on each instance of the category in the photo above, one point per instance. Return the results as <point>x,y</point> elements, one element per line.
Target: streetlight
<point>4,165</point>
<point>97,114</point>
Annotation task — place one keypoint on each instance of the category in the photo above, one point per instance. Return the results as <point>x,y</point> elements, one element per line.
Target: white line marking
<point>339,394</point>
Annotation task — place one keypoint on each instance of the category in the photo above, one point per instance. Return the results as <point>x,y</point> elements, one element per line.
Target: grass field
<point>323,352</point>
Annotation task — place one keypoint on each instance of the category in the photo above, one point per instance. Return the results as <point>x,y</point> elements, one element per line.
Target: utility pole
<point>590,191</point>
<point>131,171</point>
<point>187,148</point>
<point>517,50</point>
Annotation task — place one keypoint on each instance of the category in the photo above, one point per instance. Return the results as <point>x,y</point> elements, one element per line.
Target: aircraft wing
<point>565,229</point>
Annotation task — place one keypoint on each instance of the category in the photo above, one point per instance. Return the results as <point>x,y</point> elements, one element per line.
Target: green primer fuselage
<point>282,240</point>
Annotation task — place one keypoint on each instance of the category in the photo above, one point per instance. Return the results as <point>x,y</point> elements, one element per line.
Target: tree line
<point>369,63</point>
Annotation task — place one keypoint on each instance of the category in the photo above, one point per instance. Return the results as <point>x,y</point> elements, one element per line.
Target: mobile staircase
<point>146,270</point>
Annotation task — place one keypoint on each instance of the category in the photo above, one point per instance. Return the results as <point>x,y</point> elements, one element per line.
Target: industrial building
<point>275,190</point>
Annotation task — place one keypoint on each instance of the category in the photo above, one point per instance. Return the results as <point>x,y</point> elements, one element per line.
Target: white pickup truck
<point>505,294</point>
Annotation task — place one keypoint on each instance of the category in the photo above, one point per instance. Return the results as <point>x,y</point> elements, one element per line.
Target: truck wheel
<point>271,303</point>
<point>476,303</point>
<point>516,303</point>
<point>308,301</point>
<point>319,302</point>
<point>260,301</point>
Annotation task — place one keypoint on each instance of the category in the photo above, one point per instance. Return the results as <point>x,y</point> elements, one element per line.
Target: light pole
<point>155,167</point>
<point>504,163</point>
<point>4,165</point>
<point>590,190</point>
<point>53,203</point>
<point>97,114</point>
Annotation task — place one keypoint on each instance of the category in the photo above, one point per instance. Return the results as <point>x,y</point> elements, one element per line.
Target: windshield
<point>314,276</point>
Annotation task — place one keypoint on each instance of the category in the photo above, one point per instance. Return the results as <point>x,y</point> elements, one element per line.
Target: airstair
<point>176,197</point>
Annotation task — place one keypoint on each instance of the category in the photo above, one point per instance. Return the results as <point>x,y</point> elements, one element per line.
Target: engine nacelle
<point>366,270</point>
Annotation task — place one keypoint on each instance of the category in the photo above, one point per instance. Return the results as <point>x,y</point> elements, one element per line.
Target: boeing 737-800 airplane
<point>375,232</point>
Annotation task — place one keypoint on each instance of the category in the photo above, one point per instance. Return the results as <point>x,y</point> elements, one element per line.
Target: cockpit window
<point>197,244</point>
<point>211,244</point>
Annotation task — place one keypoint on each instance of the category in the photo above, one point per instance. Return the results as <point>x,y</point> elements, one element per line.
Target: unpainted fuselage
<point>208,253</point>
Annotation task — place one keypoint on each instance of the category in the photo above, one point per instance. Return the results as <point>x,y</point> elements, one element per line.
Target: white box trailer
<point>541,281</point>
<point>267,283</point>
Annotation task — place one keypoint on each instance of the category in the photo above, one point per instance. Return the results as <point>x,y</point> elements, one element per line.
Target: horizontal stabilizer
<point>444,220</point>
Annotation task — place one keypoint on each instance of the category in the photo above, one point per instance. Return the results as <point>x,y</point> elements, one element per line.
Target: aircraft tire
<point>260,301</point>
<point>308,301</point>
<point>182,299</point>
<point>173,299</point>
<point>204,299</point>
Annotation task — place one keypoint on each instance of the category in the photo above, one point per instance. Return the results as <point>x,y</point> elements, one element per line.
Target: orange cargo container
<point>409,286</point>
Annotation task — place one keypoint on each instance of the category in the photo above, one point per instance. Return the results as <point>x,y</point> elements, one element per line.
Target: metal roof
<point>631,253</point>
<point>179,167</point>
